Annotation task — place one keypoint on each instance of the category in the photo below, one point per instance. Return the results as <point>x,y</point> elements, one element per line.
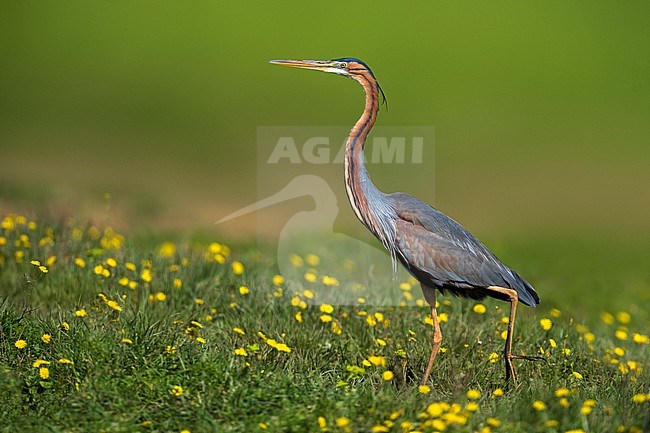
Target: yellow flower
<point>40,362</point>
<point>640,339</point>
<point>201,340</point>
<point>325,318</point>
<point>146,275</point>
<point>342,422</point>
<point>21,344</point>
<point>241,352</point>
<point>298,317</point>
<point>262,426</point>
<point>322,423</point>
<point>561,392</point>
<point>619,351</point>
<point>473,394</point>
<point>493,357</point>
<point>606,317</point>
<point>130,266</point>
<point>479,309</point>
<point>65,361</point>
<point>65,326</point>
<point>43,269</point>
<point>111,262</point>
<point>310,277</point>
<point>239,331</point>
<point>326,308</point>
<point>564,402</point>
<point>621,334</point>
<point>546,324</point>
<point>44,373</point>
<point>493,422</point>
<point>566,351</point>
<point>471,406</point>
<point>577,375</point>
<point>80,313</point>
<point>177,390</point>
<point>497,392</point>
<point>237,268</point>
<point>178,283</point>
<point>585,410</point>
<point>552,423</point>
<point>127,341</point>
<point>278,280</point>
<point>556,313</point>
<point>46,338</point>
<point>380,341</point>
<point>539,405</point>
<point>377,360</point>
<point>589,337</point>
<point>330,281</point>
<point>312,260</point>
<point>35,263</point>
<point>552,343</point>
<point>640,398</point>
<point>424,389</point>
<point>160,296</point>
<point>387,375</point>
<point>243,290</point>
<point>309,294</point>
<point>167,249</point>
<point>114,305</point>
<point>379,429</point>
<point>296,260</point>
<point>623,317</point>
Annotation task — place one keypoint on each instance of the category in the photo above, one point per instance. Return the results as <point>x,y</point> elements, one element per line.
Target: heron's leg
<point>430,296</point>
<point>513,298</point>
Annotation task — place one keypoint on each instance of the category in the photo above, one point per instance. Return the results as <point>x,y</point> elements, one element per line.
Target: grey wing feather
<point>434,247</point>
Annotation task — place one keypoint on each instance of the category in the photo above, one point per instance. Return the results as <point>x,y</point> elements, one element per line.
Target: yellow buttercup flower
<point>479,309</point>
<point>20,344</point>
<point>546,324</point>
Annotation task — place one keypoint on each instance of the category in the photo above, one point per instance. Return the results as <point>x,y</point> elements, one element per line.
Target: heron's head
<point>347,66</point>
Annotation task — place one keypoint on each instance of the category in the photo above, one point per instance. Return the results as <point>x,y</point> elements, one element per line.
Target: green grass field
<point>102,332</point>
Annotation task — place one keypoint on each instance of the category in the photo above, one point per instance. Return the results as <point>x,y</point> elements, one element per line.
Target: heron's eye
<point>343,65</point>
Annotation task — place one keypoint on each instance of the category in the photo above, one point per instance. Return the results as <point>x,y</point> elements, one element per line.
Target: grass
<point>163,337</point>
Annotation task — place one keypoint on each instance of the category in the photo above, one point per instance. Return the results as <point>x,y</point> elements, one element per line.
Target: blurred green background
<point>541,109</point>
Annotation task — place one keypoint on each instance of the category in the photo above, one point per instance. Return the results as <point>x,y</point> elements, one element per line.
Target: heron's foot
<point>527,357</point>
<point>511,374</point>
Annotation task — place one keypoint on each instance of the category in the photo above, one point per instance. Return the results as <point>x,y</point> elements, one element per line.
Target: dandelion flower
<point>589,337</point>
<point>424,389</point>
<point>539,405</point>
<point>546,324</point>
<point>326,308</point>
<point>380,341</point>
<point>577,375</point>
<point>479,309</point>
<point>237,268</point>
<point>493,422</point>
<point>471,406</point>
<point>20,344</point>
<point>640,339</point>
<point>177,390</point>
<point>497,392</point>
<point>127,341</point>
<point>607,318</point>
<point>621,334</point>
<point>640,398</point>
<point>561,392</point>
<point>146,275</point>
<point>278,280</point>
<point>80,313</point>
<point>387,375</point>
<point>243,290</point>
<point>377,360</point>
<point>201,340</point>
<point>114,305</point>
<point>111,262</point>
<point>40,362</point>
<point>473,394</point>
<point>44,372</point>
<point>342,422</point>
<point>298,316</point>
<point>241,352</point>
<point>46,338</point>
<point>312,260</point>
<point>325,318</point>
<point>493,357</point>
<point>310,277</point>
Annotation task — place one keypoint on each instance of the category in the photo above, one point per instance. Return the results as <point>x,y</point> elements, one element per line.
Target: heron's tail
<point>525,291</point>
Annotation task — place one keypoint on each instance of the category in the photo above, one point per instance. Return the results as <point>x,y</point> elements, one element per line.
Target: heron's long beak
<point>316,65</point>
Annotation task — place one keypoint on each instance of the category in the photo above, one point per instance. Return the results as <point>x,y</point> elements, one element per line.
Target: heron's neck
<point>359,188</point>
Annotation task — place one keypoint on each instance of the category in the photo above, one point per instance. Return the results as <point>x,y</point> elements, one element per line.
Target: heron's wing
<point>439,246</point>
